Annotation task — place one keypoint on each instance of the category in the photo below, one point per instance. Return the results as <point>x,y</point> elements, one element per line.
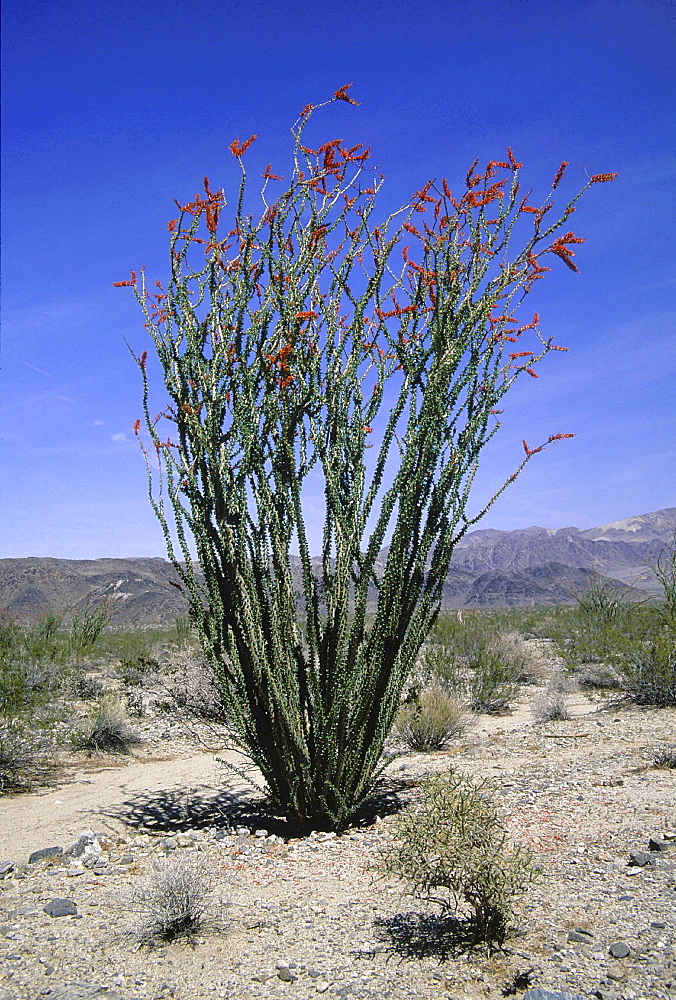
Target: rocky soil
<point>295,917</point>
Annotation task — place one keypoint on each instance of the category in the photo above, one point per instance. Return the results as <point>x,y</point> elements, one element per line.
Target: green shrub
<point>649,673</point>
<point>430,719</point>
<point>135,670</point>
<point>452,850</point>
<point>476,663</point>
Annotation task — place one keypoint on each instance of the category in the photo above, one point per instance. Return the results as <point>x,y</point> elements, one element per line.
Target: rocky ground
<point>296,917</point>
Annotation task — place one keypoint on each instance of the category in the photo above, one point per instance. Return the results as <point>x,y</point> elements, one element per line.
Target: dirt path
<point>112,797</point>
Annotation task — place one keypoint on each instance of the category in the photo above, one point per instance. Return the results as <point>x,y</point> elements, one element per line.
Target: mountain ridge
<point>489,568</point>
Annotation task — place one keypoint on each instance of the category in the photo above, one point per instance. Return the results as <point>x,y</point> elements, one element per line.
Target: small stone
<point>619,949</point>
<point>126,859</point>
<point>184,840</point>
<point>641,859</point>
<point>286,975</point>
<point>261,834</point>
<point>61,908</point>
<point>658,845</point>
<point>45,852</point>
<point>243,831</point>
<point>79,846</point>
<point>658,925</point>
<point>263,976</point>
<point>580,935</point>
<point>6,867</point>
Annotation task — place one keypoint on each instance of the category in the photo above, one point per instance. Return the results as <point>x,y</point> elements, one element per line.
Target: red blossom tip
<point>341,94</point>
<point>238,148</point>
<point>602,178</point>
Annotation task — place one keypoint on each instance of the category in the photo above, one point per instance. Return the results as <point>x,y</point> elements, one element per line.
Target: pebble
<point>61,908</point>
<point>619,949</point>
<point>44,853</point>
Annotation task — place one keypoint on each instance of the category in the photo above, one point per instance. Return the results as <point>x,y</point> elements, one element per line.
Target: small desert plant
<point>649,675</point>
<point>87,622</point>
<point>478,665</point>
<point>452,850</point>
<point>135,670</point>
<point>550,705</point>
<point>665,757</point>
<point>25,762</point>
<point>108,730</point>
<point>429,719</point>
<point>174,899</point>
<point>191,681</point>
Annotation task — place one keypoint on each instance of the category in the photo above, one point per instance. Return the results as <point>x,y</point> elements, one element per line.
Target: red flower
<point>341,94</point>
<point>559,173</point>
<point>602,178</point>
<point>238,148</point>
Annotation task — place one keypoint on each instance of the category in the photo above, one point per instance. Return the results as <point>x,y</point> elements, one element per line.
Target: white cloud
<point>119,438</point>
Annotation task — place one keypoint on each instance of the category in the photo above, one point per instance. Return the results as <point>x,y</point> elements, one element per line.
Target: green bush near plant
<point>475,662</point>
<point>609,639</point>
<point>452,850</point>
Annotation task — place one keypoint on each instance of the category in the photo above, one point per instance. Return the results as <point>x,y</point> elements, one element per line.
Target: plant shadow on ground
<point>177,810</point>
<point>428,935</point>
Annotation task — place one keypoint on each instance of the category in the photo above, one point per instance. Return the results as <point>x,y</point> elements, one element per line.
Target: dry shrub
<point>174,899</point>
<point>451,849</point>
<point>550,705</point>
<point>665,757</point>
<point>109,730</point>
<point>25,763</point>
<point>431,718</point>
<point>191,682</point>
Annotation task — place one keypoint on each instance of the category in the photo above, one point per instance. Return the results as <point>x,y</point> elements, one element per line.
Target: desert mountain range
<point>490,569</point>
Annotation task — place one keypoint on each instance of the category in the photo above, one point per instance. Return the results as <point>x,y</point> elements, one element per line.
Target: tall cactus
<point>312,342</point>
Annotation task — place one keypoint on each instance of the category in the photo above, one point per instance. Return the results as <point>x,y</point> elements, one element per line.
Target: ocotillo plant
<point>293,344</point>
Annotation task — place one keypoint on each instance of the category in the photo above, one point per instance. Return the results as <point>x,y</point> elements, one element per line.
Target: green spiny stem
<point>293,346</point>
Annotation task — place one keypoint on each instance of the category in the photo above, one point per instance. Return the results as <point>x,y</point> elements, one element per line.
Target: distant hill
<point>489,569</point>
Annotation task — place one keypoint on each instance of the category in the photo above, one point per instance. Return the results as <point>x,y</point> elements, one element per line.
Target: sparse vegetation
<point>665,757</point>
<point>451,849</point>
<point>478,663</point>
<point>26,761</point>
<point>430,719</point>
<point>550,705</point>
<point>108,731</point>
<point>174,899</point>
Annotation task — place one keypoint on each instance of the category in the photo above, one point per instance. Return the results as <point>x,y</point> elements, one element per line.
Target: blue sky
<point>113,109</point>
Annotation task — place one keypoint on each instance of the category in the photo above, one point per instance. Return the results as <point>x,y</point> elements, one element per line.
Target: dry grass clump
<point>550,706</point>
<point>109,730</point>
<point>174,900</point>
<point>665,757</point>
<point>430,720</point>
